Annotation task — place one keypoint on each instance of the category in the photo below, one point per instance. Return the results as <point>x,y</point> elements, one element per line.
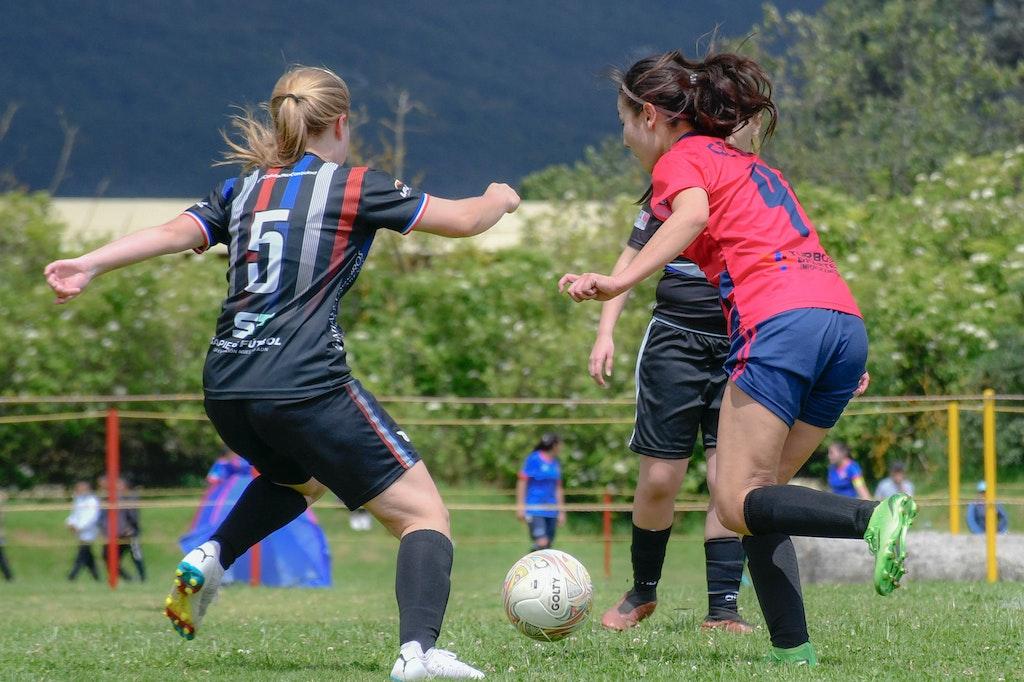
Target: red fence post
<point>113,475</point>
<point>255,565</point>
<point>607,534</point>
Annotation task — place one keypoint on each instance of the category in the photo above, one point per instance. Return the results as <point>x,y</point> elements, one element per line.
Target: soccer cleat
<point>887,539</point>
<point>413,664</point>
<point>196,582</point>
<point>800,655</point>
<point>736,626</point>
<point>622,616</point>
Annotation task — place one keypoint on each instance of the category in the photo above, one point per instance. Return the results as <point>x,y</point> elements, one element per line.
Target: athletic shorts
<point>679,386</point>
<point>542,527</point>
<point>801,364</point>
<point>342,438</point>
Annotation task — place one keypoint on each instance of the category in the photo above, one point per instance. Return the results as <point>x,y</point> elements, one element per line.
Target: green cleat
<point>887,539</point>
<point>800,655</point>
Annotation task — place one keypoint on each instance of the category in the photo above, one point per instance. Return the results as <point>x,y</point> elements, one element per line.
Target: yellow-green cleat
<point>887,539</point>
<point>799,655</point>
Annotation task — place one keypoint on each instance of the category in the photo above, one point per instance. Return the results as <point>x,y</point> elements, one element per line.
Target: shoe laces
<point>442,660</point>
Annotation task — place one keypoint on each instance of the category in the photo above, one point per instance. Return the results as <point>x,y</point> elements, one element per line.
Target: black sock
<point>723,561</point>
<point>422,584</point>
<point>262,508</point>
<point>648,554</point>
<point>796,510</point>
<point>773,569</point>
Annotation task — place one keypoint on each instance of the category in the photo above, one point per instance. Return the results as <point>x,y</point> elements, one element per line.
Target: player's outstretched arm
<point>68,278</point>
<point>602,355</point>
<point>468,217</point>
<point>689,218</point>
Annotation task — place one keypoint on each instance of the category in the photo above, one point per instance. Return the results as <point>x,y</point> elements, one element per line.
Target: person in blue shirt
<point>976,514</point>
<point>540,500</point>
<point>844,474</point>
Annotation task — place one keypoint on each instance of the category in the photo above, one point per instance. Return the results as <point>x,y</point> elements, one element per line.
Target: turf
<point>52,629</point>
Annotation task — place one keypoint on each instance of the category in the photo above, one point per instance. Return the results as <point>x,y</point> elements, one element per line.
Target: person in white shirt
<point>84,522</point>
<point>895,482</point>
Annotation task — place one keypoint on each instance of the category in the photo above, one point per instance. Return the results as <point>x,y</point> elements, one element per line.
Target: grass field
<point>52,629</point>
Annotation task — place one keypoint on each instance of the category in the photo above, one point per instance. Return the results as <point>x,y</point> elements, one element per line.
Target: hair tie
<point>693,78</point>
<point>288,95</point>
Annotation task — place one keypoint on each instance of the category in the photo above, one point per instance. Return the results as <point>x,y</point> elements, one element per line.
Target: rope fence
<point>952,405</point>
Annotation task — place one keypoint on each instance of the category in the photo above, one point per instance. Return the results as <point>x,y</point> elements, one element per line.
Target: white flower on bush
<point>981,258</point>
<point>973,330</point>
<point>621,467</point>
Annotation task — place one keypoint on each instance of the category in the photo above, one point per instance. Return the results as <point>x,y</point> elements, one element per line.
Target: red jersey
<point>759,247</point>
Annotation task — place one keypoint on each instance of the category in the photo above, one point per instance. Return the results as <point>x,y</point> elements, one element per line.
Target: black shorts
<point>679,385</point>
<point>342,438</point>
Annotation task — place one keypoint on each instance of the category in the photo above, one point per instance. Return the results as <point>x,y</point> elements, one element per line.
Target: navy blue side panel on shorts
<point>679,384</point>
<point>342,438</point>
<point>801,364</point>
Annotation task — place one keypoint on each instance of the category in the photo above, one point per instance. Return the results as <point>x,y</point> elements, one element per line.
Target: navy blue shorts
<point>801,364</point>
<point>542,527</point>
<point>342,438</point>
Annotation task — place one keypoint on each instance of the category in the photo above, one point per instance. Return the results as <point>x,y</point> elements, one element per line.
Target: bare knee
<point>543,542</point>
<point>657,489</point>
<point>730,513</point>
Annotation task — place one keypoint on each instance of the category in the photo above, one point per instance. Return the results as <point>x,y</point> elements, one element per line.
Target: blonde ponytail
<point>305,102</point>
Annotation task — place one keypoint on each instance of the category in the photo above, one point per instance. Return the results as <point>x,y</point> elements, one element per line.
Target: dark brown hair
<point>716,95</point>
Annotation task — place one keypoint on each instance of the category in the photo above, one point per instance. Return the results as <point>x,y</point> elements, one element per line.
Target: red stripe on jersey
<point>349,207</point>
<point>268,186</point>
<point>369,419</point>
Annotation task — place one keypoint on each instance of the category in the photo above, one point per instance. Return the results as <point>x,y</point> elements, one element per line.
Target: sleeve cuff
<point>207,233</point>
<point>418,215</point>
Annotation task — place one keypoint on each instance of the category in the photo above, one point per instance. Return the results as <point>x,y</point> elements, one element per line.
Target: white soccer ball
<point>547,595</point>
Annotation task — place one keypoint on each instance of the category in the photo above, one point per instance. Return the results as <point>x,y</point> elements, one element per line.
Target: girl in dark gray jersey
<point>679,384</point>
<point>298,224</point>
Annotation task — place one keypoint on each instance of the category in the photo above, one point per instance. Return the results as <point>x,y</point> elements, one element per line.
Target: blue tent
<point>294,556</point>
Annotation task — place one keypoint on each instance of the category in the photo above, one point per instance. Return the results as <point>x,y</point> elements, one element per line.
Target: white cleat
<point>413,664</point>
<point>196,582</point>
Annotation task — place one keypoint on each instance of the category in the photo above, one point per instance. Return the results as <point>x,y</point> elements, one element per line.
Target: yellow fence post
<point>953,424</point>
<point>989,449</point>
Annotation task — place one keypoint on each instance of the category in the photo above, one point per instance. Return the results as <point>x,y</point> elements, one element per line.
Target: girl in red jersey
<point>298,224</point>
<point>798,346</point>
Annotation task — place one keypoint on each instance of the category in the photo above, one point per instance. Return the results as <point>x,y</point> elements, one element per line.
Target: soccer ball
<point>547,595</point>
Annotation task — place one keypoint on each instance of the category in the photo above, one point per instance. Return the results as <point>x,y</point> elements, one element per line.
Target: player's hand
<point>503,194</point>
<point>601,359</point>
<point>862,385</point>
<point>590,286</point>
<point>68,278</point>
<point>561,519</point>
<point>521,514</point>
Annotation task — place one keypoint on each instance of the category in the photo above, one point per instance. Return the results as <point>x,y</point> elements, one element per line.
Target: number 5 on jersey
<point>262,233</point>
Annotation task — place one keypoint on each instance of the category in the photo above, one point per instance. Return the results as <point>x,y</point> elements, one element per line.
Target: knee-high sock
<point>262,508</point>
<point>723,564</point>
<point>776,577</point>
<point>422,584</point>
<point>796,510</point>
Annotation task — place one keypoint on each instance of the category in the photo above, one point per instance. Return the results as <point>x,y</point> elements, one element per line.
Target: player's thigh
<point>410,503</point>
<point>802,441</point>
<point>750,442</point>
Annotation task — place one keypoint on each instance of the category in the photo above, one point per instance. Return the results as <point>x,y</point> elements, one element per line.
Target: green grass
<point>51,629</point>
